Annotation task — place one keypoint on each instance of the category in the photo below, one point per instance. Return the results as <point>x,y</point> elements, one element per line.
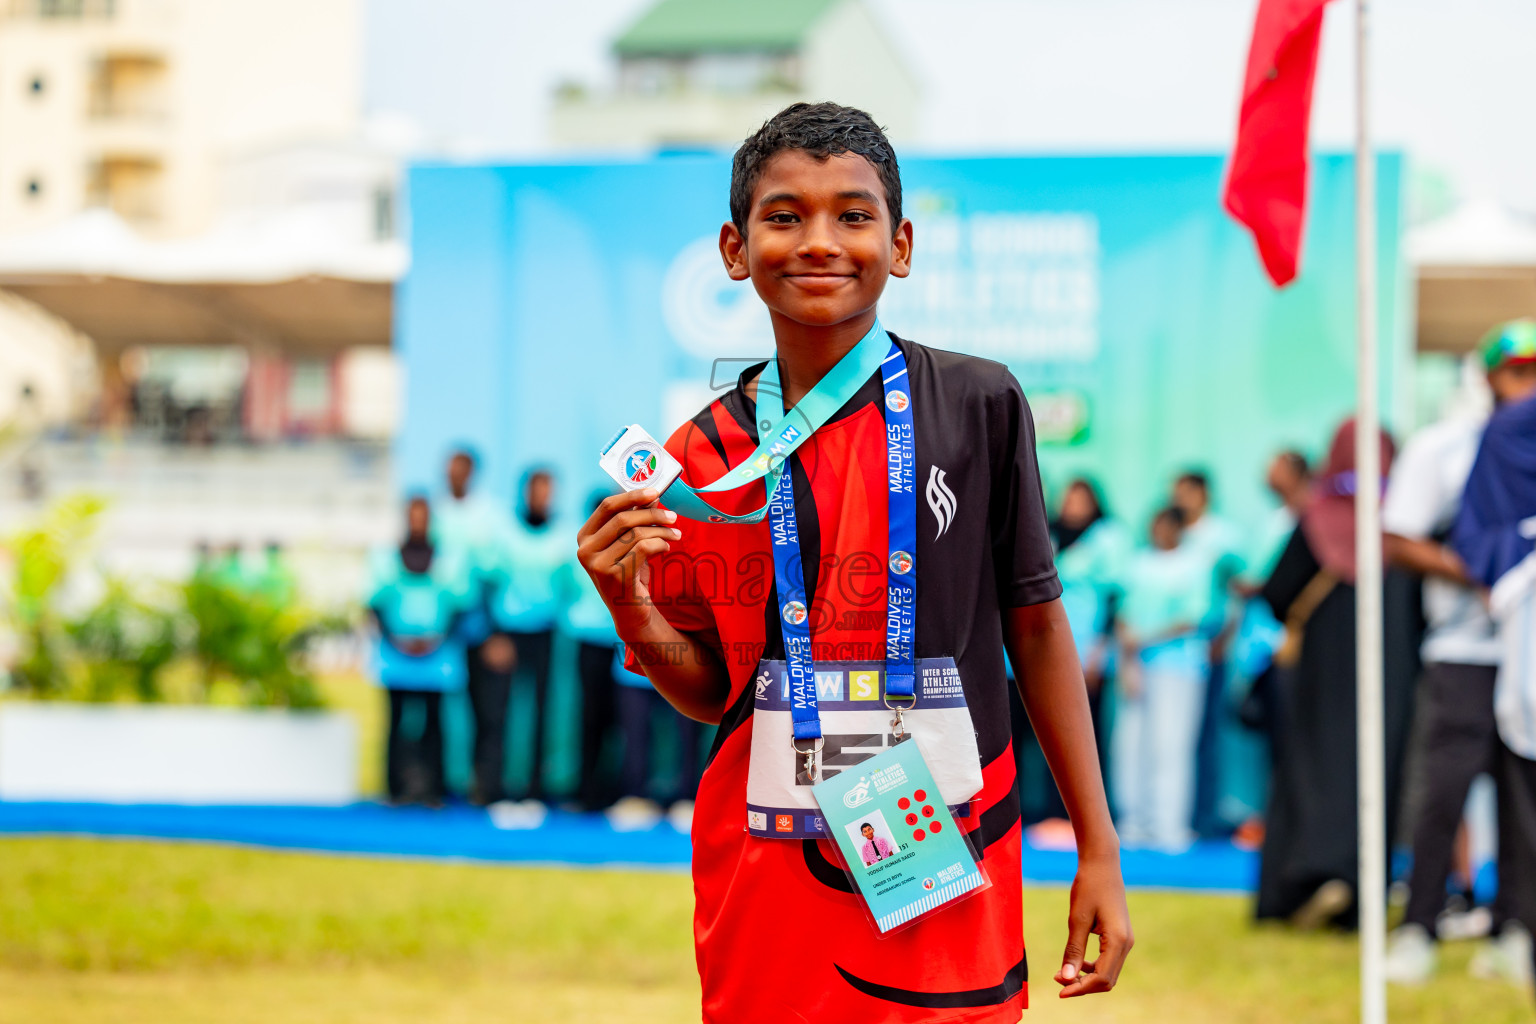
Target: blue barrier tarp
<point>460,832</point>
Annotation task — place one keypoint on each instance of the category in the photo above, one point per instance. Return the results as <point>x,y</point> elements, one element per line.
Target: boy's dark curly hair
<point>822,130</point>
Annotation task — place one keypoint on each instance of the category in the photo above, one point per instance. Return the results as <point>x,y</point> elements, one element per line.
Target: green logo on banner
<point>1061,417</point>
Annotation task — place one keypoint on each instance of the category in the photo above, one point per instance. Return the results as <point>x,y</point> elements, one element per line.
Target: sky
<point>1452,84</point>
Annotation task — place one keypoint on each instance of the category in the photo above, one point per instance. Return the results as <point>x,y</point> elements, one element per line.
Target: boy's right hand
<point>615,545</point>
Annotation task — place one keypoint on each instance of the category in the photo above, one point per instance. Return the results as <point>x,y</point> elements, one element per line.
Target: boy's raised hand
<point>614,546</point>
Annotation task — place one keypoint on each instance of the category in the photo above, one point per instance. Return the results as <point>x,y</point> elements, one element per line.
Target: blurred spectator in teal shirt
<point>523,602</point>
<point>275,581</point>
<point>1219,543</point>
<point>418,595</point>
<point>1091,549</point>
<point>465,518</point>
<point>1163,667</point>
<point>468,523</point>
<point>1091,552</point>
<point>586,620</point>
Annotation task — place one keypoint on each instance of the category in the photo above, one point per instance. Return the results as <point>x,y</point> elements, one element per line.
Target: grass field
<point>138,932</point>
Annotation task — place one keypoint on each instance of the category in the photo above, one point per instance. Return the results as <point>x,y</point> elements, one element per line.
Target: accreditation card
<point>899,843</point>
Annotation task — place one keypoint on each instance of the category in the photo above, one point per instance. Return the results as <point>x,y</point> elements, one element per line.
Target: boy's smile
<point>819,244</point>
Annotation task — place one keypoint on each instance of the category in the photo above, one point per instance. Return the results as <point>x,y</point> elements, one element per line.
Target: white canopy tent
<point>289,281</point>
<point>1476,267</point>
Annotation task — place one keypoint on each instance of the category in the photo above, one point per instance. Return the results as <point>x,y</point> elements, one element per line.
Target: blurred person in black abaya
<point>1309,871</point>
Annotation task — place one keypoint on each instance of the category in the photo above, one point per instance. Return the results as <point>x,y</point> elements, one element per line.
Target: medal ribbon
<point>901,560</point>
<point>792,429</point>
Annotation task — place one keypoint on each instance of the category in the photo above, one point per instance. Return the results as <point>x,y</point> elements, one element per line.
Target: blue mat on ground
<point>459,832</point>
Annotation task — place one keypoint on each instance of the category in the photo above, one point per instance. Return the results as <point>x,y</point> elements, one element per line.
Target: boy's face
<point>819,244</point>
<point>869,831</point>
<point>1165,534</point>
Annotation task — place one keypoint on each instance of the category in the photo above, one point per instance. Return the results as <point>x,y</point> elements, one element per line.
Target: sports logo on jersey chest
<point>941,500</point>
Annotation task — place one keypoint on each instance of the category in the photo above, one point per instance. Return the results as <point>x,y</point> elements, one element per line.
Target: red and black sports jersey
<point>779,933</point>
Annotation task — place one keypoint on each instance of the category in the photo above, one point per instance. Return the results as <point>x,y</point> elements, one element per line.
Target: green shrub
<point>42,558</point>
<point>242,637</point>
<point>245,635</point>
<point>124,644</point>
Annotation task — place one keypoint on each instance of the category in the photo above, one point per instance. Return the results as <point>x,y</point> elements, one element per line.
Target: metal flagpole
<point>1368,619</point>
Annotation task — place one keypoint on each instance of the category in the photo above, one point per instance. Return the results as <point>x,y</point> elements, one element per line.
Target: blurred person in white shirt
<point>1461,652</point>
<point>1219,543</point>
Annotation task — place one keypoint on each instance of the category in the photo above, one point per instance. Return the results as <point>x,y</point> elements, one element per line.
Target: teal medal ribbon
<point>788,433</point>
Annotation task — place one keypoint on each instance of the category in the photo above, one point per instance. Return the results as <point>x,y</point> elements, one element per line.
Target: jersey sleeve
<point>1022,557</point>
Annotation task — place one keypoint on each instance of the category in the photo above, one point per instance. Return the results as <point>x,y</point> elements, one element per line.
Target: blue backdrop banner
<point>548,305</point>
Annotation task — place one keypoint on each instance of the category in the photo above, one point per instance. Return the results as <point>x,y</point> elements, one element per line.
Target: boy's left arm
<point>1051,684</point>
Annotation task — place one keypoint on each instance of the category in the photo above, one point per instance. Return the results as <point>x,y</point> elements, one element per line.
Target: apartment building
<point>138,106</point>
<point>697,73</point>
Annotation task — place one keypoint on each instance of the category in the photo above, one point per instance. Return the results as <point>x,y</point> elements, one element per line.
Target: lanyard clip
<point>897,728</point>
<point>812,771</point>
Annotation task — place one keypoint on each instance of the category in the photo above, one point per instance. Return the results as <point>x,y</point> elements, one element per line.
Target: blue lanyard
<point>791,430</point>
<point>901,563</point>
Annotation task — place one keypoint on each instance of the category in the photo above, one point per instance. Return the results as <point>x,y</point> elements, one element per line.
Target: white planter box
<point>183,755</point>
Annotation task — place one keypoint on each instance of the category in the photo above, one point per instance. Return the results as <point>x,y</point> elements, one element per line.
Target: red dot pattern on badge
<point>920,796</point>
<point>903,803</point>
<point>919,835</point>
<point>934,827</point>
<point>911,819</point>
<point>928,810</point>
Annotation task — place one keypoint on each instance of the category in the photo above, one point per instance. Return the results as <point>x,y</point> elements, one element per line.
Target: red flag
<point>1267,180</point>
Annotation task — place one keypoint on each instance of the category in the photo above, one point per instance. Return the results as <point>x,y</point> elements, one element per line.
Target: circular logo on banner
<point>794,613</point>
<point>901,563</point>
<point>897,401</point>
<point>928,884</point>
<point>639,464</point>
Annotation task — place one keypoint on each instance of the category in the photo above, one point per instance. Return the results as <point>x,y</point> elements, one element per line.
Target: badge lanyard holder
<point>895,838</point>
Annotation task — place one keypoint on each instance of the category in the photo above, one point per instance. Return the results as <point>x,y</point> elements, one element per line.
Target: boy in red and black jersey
<point>780,934</point>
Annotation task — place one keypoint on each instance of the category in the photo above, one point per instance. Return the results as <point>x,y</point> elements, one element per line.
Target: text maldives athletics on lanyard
<point>901,564</point>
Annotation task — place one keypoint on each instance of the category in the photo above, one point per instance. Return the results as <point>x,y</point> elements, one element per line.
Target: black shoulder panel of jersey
<point>962,376</point>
